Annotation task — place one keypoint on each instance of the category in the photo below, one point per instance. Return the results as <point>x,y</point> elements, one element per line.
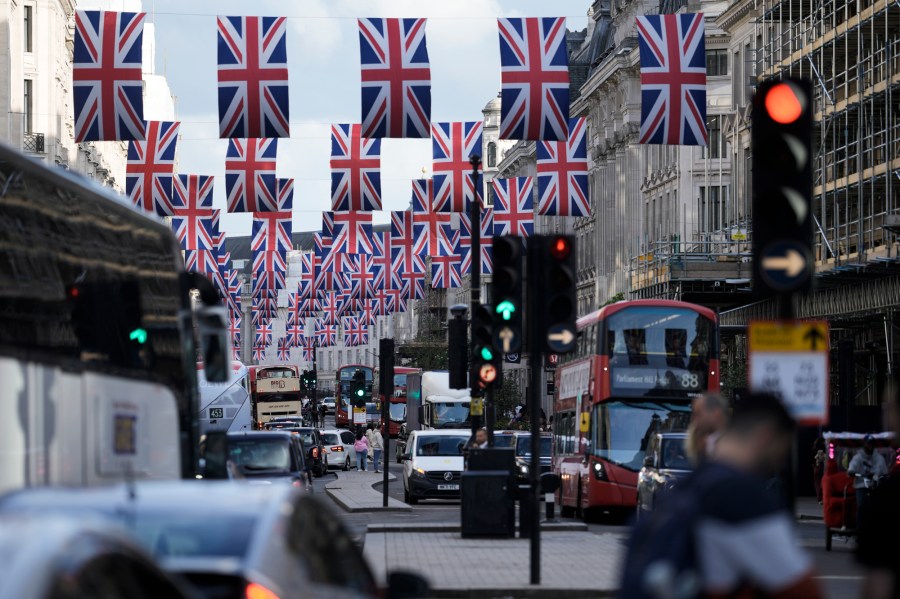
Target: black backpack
<point>661,562</point>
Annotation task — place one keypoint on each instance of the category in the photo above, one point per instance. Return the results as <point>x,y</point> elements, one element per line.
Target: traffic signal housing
<point>552,297</point>
<point>358,389</point>
<point>486,362</point>
<point>782,187</point>
<point>506,293</point>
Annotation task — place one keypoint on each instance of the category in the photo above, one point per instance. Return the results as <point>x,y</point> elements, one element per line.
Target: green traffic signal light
<point>139,335</point>
<point>505,309</point>
<point>487,354</point>
<point>360,392</point>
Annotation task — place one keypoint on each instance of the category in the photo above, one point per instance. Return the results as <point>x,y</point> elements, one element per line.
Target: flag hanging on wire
<point>514,206</point>
<point>464,244</point>
<point>151,168</point>
<point>673,79</point>
<point>452,145</point>
<point>253,77</point>
<point>355,333</point>
<point>193,212</point>
<point>396,78</point>
<point>534,70</point>
<point>250,181</point>
<point>107,86</point>
<point>352,232</point>
<point>562,174</point>
<point>355,170</point>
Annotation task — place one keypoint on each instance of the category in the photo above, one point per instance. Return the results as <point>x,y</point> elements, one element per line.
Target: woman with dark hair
<point>362,451</point>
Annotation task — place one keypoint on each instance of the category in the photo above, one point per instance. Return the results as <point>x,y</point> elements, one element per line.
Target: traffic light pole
<point>535,361</point>
<point>475,288</point>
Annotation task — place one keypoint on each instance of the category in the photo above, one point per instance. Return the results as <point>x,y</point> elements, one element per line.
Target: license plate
<point>448,487</point>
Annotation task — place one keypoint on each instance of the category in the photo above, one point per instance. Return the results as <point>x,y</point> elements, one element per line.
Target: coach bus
<point>636,368</point>
<point>97,335</point>
<point>225,406</point>
<point>275,392</point>
<point>343,408</point>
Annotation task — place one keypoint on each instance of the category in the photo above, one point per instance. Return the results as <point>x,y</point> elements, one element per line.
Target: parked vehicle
<point>339,443</point>
<point>329,405</point>
<point>56,557</point>
<point>523,453</point>
<point>315,450</point>
<point>228,539</point>
<point>665,464</point>
<point>269,455</point>
<point>433,464</point>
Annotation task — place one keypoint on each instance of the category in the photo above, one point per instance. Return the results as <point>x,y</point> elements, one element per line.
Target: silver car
<point>228,539</point>
<point>339,442</point>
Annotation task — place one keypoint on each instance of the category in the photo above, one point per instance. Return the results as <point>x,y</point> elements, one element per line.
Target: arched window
<point>492,154</point>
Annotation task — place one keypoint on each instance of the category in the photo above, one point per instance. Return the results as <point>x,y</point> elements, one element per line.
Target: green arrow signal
<point>139,335</point>
<point>505,309</point>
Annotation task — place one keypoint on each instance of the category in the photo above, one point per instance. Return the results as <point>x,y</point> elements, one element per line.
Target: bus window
<point>622,430</point>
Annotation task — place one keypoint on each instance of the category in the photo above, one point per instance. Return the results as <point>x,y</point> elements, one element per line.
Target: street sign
<point>359,415</point>
<point>785,265</point>
<point>560,338</point>
<point>789,359</point>
<point>512,357</point>
<point>507,340</point>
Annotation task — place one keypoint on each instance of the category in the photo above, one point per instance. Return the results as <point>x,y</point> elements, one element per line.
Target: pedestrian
<point>362,449</point>
<point>370,432</point>
<point>819,461</point>
<point>880,526</point>
<point>709,415</point>
<point>866,468</point>
<point>321,412</point>
<point>377,447</point>
<point>720,533</point>
<point>480,440</point>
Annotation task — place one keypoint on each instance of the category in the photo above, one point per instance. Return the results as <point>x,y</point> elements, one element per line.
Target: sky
<point>323,63</point>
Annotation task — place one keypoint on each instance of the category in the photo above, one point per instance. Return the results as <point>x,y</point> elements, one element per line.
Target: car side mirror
<point>406,585</point>
<point>648,462</point>
<point>405,457</point>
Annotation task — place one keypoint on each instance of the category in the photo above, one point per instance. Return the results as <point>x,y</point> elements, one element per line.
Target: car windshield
<point>398,411</point>
<point>451,415</point>
<point>331,439</point>
<point>309,439</point>
<point>673,455</point>
<point>624,429</point>
<point>260,454</point>
<point>523,446</point>
<point>504,440</point>
<point>179,534</point>
<point>441,445</point>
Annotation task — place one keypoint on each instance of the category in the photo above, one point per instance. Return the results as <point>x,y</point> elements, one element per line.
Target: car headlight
<point>523,469</point>
<point>418,471</point>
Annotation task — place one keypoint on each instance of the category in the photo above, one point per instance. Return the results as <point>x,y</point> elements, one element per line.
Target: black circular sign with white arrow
<point>785,265</point>
<point>561,338</point>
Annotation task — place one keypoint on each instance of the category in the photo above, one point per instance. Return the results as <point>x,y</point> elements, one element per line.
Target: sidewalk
<point>574,563</point>
<point>807,508</point>
<point>353,491</point>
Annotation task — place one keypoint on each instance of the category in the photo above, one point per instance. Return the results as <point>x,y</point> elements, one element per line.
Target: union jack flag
<point>355,170</point>
<point>265,261</point>
<point>193,214</point>
<point>452,145</point>
<point>383,302</point>
<point>422,192</point>
<point>272,231</point>
<point>673,79</point>
<point>332,306</point>
<point>397,299</point>
<point>285,194</point>
<point>487,242</point>
<point>445,266</point>
<point>250,182</point>
<point>259,353</point>
<point>263,334</point>
<point>329,281</point>
<point>309,263</point>
<point>284,350</point>
<point>326,334</point>
<point>382,244</point>
<point>107,87</point>
<point>534,68</point>
<point>362,279</point>
<point>327,226</point>
<point>409,232</point>
<point>267,281</point>
<point>428,228</point>
<point>355,334</point>
<point>294,333</point>
<point>202,261</point>
<point>367,312</point>
<point>234,329</point>
<point>562,174</point>
<point>309,349</point>
<point>514,206</point>
<point>412,280</point>
<point>151,167</point>
<point>396,78</point>
<point>352,233</point>
<point>253,77</point>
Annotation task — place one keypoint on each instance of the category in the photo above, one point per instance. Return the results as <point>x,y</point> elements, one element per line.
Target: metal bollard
<point>549,485</point>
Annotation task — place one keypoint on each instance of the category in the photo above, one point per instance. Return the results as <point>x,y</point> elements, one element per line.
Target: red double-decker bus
<point>637,366</point>
<point>343,410</point>
<point>397,401</point>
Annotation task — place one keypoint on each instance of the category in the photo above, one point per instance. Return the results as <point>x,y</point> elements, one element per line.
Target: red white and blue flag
<point>259,353</point>
<point>263,334</point>
<point>151,168</point>
<point>107,87</point>
<point>355,333</point>
<point>250,181</point>
<point>355,170</point>
<point>284,350</point>
<point>272,230</point>
<point>382,271</point>
<point>362,277</point>
<point>203,262</point>
<point>428,227</point>
<point>452,144</point>
<point>234,328</point>
<point>464,244</point>
<point>562,174</point>
<point>396,78</point>
<point>265,261</point>
<point>673,79</point>
<point>326,334</point>
<point>253,77</point>
<point>352,232</point>
<point>408,235</point>
<point>534,70</point>
<point>445,266</point>
<point>309,349</point>
<point>193,212</point>
<point>514,206</point>
<point>422,192</point>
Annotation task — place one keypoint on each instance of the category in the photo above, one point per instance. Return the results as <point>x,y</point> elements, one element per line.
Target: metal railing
<point>33,142</point>
<point>714,256</point>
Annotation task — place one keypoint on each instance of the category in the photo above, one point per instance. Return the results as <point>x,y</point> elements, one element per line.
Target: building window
<point>736,91</point>
<point>28,106</point>
<point>492,155</point>
<point>28,22</point>
<point>712,208</point>
<point>714,147</point>
<point>717,62</point>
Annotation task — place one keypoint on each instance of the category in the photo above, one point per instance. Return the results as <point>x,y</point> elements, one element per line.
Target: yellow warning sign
<point>585,422</point>
<point>789,336</point>
<point>477,406</point>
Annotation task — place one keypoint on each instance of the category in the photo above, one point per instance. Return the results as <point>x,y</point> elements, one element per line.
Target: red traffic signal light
<point>784,104</point>
<point>487,374</point>
<point>560,247</point>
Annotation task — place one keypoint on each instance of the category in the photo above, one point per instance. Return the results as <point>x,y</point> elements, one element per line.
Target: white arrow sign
<point>565,336</point>
<point>506,335</point>
<point>792,263</point>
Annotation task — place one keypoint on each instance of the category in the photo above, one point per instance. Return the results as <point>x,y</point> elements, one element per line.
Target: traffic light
<point>458,348</point>
<point>782,187</point>
<point>107,319</point>
<point>358,389</point>
<point>486,363</point>
<point>506,293</point>
<point>553,291</point>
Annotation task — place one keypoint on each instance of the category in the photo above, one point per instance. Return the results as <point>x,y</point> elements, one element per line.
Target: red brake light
<point>337,448</point>
<point>258,591</point>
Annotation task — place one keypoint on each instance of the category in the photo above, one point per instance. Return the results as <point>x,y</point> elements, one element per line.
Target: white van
<point>433,464</point>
